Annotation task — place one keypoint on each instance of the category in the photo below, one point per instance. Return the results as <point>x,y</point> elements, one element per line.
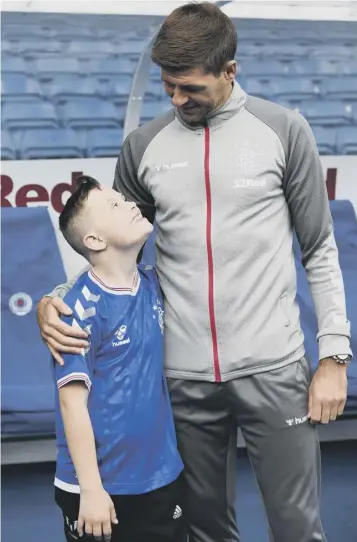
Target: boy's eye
<point>115,204</point>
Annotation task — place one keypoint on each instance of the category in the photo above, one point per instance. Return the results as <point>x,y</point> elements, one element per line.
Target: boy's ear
<point>94,242</point>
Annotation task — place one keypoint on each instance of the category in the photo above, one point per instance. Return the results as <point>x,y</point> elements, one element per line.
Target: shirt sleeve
<point>306,195</point>
<point>78,367</point>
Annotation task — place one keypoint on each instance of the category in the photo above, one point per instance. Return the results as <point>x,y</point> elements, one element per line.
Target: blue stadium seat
<point>19,87</point>
<point>60,143</point>
<point>256,88</point>
<point>21,115</point>
<point>119,89</point>
<point>64,87</point>
<point>154,109</point>
<point>341,88</point>
<point>347,140</point>
<point>155,91</point>
<point>90,113</point>
<point>349,68</point>
<point>112,66</point>
<point>284,50</point>
<point>316,67</point>
<point>332,52</point>
<point>91,48</point>
<point>104,142</point>
<point>294,88</point>
<point>262,68</point>
<point>13,64</point>
<point>36,47</point>
<point>131,48</point>
<point>8,151</point>
<point>327,113</point>
<point>48,67</point>
<point>325,139</point>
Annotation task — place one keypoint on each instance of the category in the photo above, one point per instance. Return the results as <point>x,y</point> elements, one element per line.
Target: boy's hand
<point>96,514</point>
<point>59,336</point>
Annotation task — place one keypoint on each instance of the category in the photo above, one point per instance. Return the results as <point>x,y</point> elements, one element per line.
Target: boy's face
<point>110,221</point>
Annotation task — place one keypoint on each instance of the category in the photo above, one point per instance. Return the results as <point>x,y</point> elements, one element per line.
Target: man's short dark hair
<point>74,206</point>
<point>195,36</point>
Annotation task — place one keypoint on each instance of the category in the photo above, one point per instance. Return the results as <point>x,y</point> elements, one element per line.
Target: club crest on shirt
<point>160,314</point>
<point>120,336</point>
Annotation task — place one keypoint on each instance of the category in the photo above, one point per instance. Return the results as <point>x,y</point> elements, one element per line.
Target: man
<point>230,176</point>
<point>117,453</point>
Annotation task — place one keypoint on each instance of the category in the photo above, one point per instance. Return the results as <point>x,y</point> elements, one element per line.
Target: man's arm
<point>306,195</point>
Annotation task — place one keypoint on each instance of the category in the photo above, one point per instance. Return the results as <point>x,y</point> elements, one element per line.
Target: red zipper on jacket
<point>217,371</point>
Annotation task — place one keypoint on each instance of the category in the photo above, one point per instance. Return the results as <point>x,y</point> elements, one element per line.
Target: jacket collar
<point>235,103</point>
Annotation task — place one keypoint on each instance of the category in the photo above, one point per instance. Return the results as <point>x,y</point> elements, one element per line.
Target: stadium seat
<point>28,272</point>
<point>19,87</point>
<point>325,139</point>
<point>332,52</point>
<point>91,48</point>
<point>20,115</point>
<point>112,66</point>
<point>155,91</point>
<point>256,88</point>
<point>119,89</point>
<point>294,89</point>
<point>262,69</point>
<point>37,47</point>
<point>131,48</point>
<point>64,87</point>
<point>347,140</point>
<point>7,146</point>
<point>60,143</point>
<point>90,113</point>
<point>13,64</point>
<point>48,67</point>
<point>104,142</point>
<point>286,51</point>
<point>341,88</point>
<point>327,113</point>
<point>349,68</point>
<point>315,68</point>
<point>154,109</point>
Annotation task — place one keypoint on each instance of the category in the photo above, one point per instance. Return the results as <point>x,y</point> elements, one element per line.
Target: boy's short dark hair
<point>195,36</point>
<point>72,209</point>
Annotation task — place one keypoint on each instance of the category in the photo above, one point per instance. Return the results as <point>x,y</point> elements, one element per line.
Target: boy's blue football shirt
<point>128,400</point>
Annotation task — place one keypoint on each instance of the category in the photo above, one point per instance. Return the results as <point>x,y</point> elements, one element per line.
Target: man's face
<point>197,94</point>
<point>111,221</point>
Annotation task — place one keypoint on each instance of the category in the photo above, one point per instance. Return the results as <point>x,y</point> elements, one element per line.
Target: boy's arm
<point>73,399</point>
<point>74,382</point>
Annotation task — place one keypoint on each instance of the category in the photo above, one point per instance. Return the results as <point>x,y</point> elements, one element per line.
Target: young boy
<point>118,468</point>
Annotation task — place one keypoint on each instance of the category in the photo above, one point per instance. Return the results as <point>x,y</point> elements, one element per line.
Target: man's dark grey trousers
<point>271,410</point>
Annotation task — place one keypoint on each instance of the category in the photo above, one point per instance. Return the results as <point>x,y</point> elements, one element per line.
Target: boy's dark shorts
<point>157,516</point>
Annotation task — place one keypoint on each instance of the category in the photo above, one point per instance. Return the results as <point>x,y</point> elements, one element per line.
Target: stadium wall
<point>28,183</point>
<point>327,10</point>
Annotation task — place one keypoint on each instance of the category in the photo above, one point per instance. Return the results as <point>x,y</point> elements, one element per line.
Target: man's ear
<point>94,242</point>
<point>230,71</point>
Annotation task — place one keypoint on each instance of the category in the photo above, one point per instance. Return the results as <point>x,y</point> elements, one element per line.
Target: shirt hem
<point>126,489</point>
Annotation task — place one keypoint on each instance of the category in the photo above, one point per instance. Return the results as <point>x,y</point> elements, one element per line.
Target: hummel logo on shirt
<point>177,513</point>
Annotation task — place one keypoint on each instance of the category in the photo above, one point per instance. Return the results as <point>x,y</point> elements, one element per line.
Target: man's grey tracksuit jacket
<point>228,196</point>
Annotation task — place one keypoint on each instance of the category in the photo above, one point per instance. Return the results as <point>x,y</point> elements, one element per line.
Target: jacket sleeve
<point>126,179</point>
<point>306,195</point>
<point>62,289</point>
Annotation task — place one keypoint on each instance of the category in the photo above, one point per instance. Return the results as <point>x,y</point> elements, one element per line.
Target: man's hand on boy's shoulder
<point>59,336</point>
<point>96,514</point>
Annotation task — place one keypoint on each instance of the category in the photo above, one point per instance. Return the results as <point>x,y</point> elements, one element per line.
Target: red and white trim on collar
<point>116,291</point>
